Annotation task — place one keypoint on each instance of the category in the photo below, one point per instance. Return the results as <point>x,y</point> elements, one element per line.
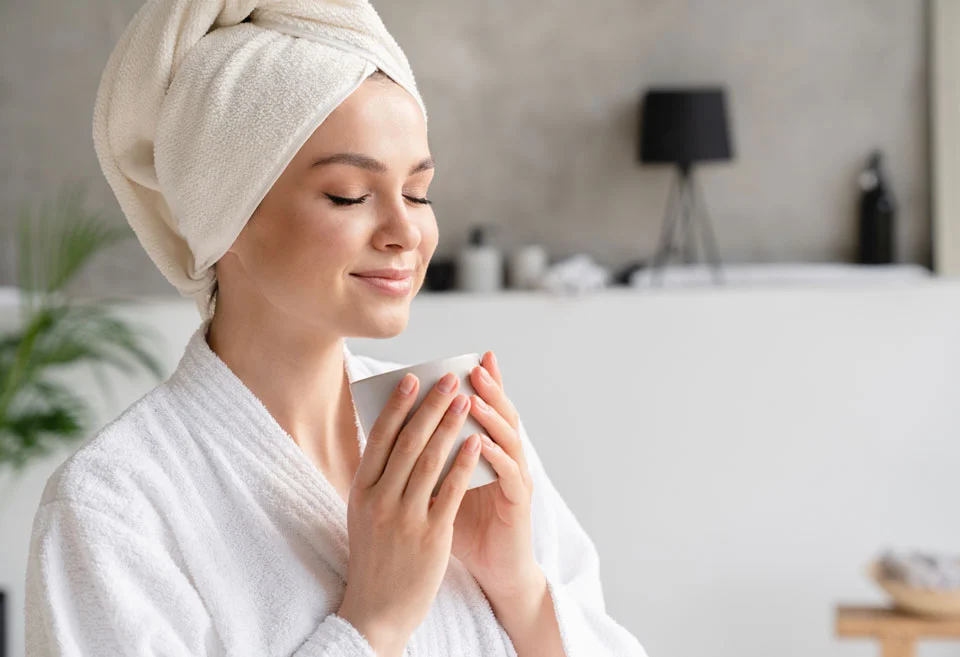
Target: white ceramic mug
<point>370,396</point>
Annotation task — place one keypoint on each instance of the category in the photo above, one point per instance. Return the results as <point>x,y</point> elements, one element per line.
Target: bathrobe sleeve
<point>96,587</point>
<point>571,566</point>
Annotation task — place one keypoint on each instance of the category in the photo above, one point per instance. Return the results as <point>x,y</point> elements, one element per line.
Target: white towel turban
<point>203,103</point>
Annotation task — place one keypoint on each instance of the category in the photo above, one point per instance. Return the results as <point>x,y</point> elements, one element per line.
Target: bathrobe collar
<point>261,451</point>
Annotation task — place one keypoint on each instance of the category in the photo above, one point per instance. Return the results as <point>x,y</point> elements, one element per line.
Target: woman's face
<point>322,223</point>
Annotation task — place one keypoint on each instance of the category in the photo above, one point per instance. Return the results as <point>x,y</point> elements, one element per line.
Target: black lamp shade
<point>683,126</point>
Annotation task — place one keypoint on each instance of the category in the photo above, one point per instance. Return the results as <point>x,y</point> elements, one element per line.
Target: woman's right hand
<point>400,538</point>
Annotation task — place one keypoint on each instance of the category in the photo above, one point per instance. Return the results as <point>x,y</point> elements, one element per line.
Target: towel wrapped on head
<point>203,103</point>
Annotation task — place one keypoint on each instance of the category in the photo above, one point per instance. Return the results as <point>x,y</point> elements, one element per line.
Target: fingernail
<point>493,359</point>
<point>485,375</point>
<point>406,384</point>
<point>488,441</point>
<point>459,404</point>
<point>482,405</point>
<point>473,443</point>
<point>446,383</point>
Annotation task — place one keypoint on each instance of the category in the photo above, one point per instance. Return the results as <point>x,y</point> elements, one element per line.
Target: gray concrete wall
<point>533,119</point>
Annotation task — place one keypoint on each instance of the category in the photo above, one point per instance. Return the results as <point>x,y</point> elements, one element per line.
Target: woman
<point>238,508</point>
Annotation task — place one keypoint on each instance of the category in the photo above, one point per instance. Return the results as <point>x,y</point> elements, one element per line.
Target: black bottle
<point>878,213</point>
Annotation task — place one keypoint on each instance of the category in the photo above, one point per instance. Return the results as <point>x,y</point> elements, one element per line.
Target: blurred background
<point>713,244</point>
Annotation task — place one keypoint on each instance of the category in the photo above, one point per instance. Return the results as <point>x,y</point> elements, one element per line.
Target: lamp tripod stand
<point>683,203</point>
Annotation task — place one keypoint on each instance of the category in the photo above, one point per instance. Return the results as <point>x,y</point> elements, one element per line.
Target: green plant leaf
<point>36,413</point>
<point>47,415</point>
<point>81,236</point>
<point>60,240</point>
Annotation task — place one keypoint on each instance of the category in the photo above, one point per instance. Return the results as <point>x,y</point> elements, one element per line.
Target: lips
<point>392,274</point>
<point>386,278</point>
<point>393,286</point>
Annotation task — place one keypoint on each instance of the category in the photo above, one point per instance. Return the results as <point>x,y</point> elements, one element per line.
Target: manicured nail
<point>406,384</point>
<point>482,405</point>
<point>493,360</point>
<point>459,404</point>
<point>446,383</point>
<point>473,443</point>
<point>485,375</point>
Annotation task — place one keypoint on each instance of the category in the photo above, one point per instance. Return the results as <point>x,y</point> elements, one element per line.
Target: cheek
<point>429,237</point>
<point>320,249</point>
<point>304,243</point>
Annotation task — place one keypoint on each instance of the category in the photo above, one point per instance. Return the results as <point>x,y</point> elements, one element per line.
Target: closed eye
<point>343,200</point>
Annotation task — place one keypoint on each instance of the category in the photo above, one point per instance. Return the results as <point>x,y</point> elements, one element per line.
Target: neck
<point>297,371</point>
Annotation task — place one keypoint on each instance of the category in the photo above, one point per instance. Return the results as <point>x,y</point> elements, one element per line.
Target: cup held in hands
<point>370,396</point>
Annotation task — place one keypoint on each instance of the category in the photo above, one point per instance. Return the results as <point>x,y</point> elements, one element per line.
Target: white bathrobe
<point>192,524</point>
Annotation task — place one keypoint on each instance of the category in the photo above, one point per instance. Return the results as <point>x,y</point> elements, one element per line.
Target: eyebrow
<point>369,163</point>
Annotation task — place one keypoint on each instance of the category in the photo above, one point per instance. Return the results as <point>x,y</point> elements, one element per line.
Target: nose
<point>397,227</point>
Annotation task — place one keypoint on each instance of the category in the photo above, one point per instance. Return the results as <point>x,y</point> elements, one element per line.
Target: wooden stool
<point>896,631</point>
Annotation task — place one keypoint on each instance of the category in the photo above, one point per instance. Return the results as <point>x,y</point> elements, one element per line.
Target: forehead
<point>379,118</point>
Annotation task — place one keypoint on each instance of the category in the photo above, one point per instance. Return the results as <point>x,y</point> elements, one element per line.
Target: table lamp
<point>683,127</point>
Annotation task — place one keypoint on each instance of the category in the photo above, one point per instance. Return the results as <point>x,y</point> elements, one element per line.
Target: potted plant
<point>38,413</point>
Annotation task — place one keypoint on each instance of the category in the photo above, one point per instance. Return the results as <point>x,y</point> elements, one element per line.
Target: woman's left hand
<point>492,533</point>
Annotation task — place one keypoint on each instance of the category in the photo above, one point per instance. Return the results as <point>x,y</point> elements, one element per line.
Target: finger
<point>491,392</point>
<point>384,432</point>
<point>508,472</point>
<point>415,434</point>
<point>499,429</point>
<point>493,367</point>
<point>430,464</point>
<point>447,502</point>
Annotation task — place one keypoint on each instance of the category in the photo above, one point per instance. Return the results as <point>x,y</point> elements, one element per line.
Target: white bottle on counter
<point>526,267</point>
<point>479,264</point>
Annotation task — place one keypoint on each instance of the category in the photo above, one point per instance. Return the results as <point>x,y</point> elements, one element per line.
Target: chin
<point>384,332</point>
<point>388,322</point>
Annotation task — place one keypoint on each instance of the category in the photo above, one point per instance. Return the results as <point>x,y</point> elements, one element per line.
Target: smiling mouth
<point>395,287</point>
